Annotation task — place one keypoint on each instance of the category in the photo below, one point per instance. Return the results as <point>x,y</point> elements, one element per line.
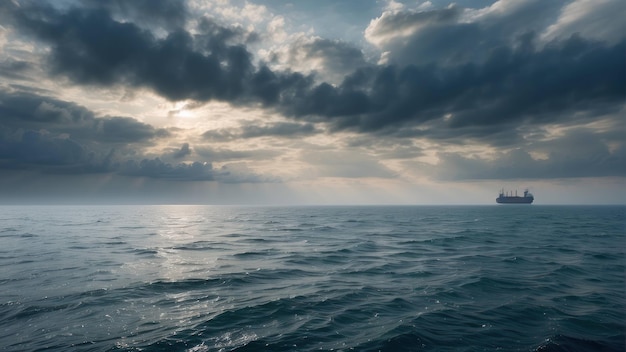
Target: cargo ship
<point>509,198</point>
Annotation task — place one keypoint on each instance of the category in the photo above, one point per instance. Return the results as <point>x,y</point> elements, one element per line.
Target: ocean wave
<point>310,279</point>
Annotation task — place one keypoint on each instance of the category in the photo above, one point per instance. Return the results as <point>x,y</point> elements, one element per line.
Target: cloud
<point>579,153</point>
<point>43,152</point>
<point>512,87</point>
<point>280,129</point>
<point>241,173</point>
<point>456,35</point>
<point>168,14</point>
<point>394,24</point>
<point>182,152</point>
<point>450,75</point>
<point>257,129</point>
<point>125,130</point>
<point>50,136</point>
<point>32,111</point>
<point>155,168</point>
<point>454,69</point>
<point>21,107</point>
<point>90,47</point>
<point>595,19</point>
<point>225,154</point>
<point>16,69</point>
<point>26,149</point>
<point>329,60</point>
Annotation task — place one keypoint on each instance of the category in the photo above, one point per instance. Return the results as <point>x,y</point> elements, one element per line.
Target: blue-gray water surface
<point>211,278</point>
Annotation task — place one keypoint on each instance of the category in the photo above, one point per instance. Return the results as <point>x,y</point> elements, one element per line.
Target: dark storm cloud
<point>125,130</point>
<point>281,129</point>
<point>428,46</point>
<point>274,88</point>
<point>498,78</point>
<point>34,135</point>
<point>512,87</point>
<point>32,111</point>
<point>339,55</point>
<point>50,136</point>
<point>21,107</point>
<point>213,37</point>
<point>544,86</point>
<point>182,152</point>
<point>43,134</point>
<point>90,47</point>
<point>27,149</point>
<point>330,59</point>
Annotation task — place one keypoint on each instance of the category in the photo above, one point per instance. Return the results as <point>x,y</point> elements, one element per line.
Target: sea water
<point>213,278</point>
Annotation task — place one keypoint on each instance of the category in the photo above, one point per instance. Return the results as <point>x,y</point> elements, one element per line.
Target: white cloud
<point>381,30</point>
<point>249,15</point>
<point>594,19</point>
<point>276,29</point>
<point>393,5</point>
<point>255,13</point>
<point>497,9</point>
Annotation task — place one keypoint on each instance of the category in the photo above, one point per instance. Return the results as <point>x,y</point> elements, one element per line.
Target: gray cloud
<point>331,60</point>
<point>155,168</point>
<point>448,78</point>
<point>516,81</point>
<point>15,69</point>
<point>182,152</point>
<point>256,129</point>
<point>600,20</point>
<point>28,149</point>
<point>125,130</point>
<point>579,153</point>
<point>281,129</point>
<point>399,34</point>
<point>514,86</point>
<point>90,47</point>
<point>32,111</point>
<point>455,35</point>
<point>50,136</point>
<point>19,107</point>
<point>169,14</point>
<point>225,154</point>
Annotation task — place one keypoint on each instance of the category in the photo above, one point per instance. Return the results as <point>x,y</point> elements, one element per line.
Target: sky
<point>312,102</point>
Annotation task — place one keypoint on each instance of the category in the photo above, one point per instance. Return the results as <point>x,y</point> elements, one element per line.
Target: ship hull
<point>514,200</point>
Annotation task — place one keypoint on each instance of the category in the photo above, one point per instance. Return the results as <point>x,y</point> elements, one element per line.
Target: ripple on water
<point>305,279</point>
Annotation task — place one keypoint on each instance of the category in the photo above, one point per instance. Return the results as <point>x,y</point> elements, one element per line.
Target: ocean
<point>330,278</point>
